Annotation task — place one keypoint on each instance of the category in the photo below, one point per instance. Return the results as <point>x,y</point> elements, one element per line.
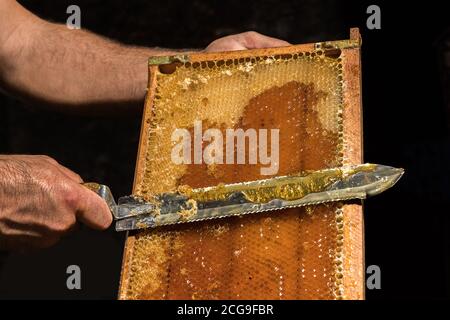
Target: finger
<point>25,228</point>
<point>72,229</point>
<point>22,243</point>
<point>93,210</point>
<point>225,44</point>
<point>255,40</point>
<point>66,171</point>
<point>70,174</point>
<point>43,243</point>
<point>45,158</point>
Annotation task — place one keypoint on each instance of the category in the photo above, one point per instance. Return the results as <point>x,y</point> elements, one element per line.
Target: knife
<point>224,200</point>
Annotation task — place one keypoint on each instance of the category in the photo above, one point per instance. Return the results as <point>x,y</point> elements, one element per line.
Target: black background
<point>406,124</point>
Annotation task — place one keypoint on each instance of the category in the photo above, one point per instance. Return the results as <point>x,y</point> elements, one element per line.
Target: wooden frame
<point>352,286</point>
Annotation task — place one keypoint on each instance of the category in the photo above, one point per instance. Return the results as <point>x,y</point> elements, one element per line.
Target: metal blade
<point>309,188</point>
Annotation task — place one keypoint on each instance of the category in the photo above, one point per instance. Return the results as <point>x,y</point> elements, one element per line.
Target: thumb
<point>93,210</point>
<point>255,40</point>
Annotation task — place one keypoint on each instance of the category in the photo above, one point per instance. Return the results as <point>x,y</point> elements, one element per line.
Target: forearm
<point>72,69</point>
<point>75,70</point>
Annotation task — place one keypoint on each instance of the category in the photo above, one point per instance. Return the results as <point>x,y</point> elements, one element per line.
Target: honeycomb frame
<point>349,273</point>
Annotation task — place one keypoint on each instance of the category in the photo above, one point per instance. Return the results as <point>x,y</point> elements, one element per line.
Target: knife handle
<point>105,193</point>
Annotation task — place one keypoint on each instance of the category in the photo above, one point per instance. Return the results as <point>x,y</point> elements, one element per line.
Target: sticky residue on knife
<point>292,187</point>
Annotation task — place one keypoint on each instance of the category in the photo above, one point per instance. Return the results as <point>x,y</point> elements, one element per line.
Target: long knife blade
<point>307,188</point>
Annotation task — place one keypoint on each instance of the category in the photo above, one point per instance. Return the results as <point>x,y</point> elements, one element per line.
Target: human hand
<point>243,41</point>
<point>41,201</point>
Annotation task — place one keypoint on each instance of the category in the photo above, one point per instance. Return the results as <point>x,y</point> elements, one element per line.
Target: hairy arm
<point>76,70</point>
<point>49,64</point>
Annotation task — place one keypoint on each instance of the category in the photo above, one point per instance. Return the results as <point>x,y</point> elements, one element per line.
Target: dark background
<point>406,68</point>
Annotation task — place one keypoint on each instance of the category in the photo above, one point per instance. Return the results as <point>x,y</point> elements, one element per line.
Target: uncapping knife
<point>224,200</point>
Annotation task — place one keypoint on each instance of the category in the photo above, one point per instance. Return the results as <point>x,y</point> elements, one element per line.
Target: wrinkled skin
<point>41,201</point>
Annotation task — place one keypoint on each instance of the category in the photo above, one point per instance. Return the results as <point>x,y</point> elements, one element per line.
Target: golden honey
<point>292,254</point>
<point>297,188</point>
